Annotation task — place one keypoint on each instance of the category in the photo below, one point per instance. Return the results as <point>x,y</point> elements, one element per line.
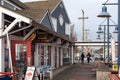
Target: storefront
<point>25,42</point>
<point>49,54</point>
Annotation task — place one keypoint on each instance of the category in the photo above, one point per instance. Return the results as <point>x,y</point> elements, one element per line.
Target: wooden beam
<point>15,14</point>
<point>10,26</point>
<point>27,35</point>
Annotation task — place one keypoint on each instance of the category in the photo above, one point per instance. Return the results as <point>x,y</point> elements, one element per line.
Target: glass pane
<point>20,58</point>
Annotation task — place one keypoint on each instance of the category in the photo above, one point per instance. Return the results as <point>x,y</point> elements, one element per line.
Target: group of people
<point>83,56</point>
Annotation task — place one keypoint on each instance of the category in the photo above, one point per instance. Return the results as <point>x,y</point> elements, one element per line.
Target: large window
<point>54,21</point>
<point>67,28</point>
<point>0,2</point>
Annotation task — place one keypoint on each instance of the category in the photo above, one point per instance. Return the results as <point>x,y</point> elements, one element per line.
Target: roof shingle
<point>39,8</point>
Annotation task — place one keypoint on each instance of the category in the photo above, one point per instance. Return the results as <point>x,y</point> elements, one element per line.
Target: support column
<point>36,55</point>
<point>57,56</point>
<point>1,43</point>
<point>53,56</point>
<point>45,54</point>
<point>119,36</point>
<point>61,58</point>
<point>72,54</point>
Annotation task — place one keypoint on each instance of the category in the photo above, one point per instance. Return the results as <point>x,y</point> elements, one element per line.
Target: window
<point>67,28</point>
<point>0,2</point>
<point>54,21</point>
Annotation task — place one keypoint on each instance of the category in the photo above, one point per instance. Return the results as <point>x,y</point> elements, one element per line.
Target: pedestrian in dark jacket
<point>88,57</point>
<point>82,57</point>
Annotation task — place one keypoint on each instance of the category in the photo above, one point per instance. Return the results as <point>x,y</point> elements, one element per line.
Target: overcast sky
<point>91,9</point>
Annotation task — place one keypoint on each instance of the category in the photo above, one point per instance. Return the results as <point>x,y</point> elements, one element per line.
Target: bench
<point>46,71</point>
<point>113,77</point>
<point>102,71</point>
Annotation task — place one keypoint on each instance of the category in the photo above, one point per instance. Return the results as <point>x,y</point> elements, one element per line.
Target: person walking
<point>88,57</point>
<point>82,57</point>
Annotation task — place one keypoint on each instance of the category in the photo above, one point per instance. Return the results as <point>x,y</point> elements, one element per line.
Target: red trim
<point>28,55</point>
<point>3,74</point>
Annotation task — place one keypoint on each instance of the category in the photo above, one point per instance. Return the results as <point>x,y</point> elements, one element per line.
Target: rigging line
<point>106,2</point>
<point>113,21</point>
<point>103,21</point>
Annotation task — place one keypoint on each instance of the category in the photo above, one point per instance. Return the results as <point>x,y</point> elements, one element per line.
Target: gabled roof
<point>39,8</point>
<point>19,3</point>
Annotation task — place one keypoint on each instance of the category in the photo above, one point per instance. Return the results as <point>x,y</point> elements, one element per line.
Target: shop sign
<point>58,41</point>
<point>29,73</point>
<point>42,41</point>
<point>115,67</point>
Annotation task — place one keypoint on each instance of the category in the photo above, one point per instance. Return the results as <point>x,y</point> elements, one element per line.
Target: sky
<point>91,9</point>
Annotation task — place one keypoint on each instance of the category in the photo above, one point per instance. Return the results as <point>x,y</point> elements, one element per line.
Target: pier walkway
<point>77,71</point>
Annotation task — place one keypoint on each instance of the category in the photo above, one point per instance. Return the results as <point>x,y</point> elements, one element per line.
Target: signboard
<point>29,73</point>
<point>115,67</point>
<point>42,41</point>
<point>58,41</point>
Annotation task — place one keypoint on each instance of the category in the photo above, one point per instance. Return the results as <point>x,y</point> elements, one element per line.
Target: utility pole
<point>86,34</point>
<point>83,18</point>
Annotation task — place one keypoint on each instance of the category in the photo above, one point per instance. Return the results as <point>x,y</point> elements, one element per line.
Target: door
<point>21,53</point>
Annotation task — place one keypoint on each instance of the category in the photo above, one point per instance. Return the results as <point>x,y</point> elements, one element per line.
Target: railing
<point>7,76</point>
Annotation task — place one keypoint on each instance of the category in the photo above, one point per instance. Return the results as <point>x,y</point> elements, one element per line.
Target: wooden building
<point>34,34</point>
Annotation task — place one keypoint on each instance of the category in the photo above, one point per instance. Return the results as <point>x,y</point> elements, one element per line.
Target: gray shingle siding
<point>46,22</point>
<point>58,11</point>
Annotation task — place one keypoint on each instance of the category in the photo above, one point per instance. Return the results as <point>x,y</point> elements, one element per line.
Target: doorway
<point>21,54</point>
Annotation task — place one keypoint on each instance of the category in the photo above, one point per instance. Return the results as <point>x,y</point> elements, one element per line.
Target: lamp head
<point>99,30</point>
<point>116,30</point>
<point>104,13</point>
<point>98,37</point>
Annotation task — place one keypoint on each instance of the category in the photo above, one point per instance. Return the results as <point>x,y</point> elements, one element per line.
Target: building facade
<point>34,34</point>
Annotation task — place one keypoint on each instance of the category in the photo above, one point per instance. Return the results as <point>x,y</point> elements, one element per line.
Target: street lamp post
<point>105,14</point>
<point>101,31</point>
<point>108,39</point>
<point>119,36</point>
<point>104,41</point>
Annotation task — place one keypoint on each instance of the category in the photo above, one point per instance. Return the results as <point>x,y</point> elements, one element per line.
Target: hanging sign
<point>115,67</point>
<point>29,73</point>
<point>58,41</point>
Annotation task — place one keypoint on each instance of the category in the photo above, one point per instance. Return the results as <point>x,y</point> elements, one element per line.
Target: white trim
<point>1,43</point>
<point>43,17</point>
<point>20,29</point>
<point>55,7</point>
<point>10,57</point>
<point>15,15</point>
<point>50,19</point>
<point>66,11</point>
<point>10,26</point>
